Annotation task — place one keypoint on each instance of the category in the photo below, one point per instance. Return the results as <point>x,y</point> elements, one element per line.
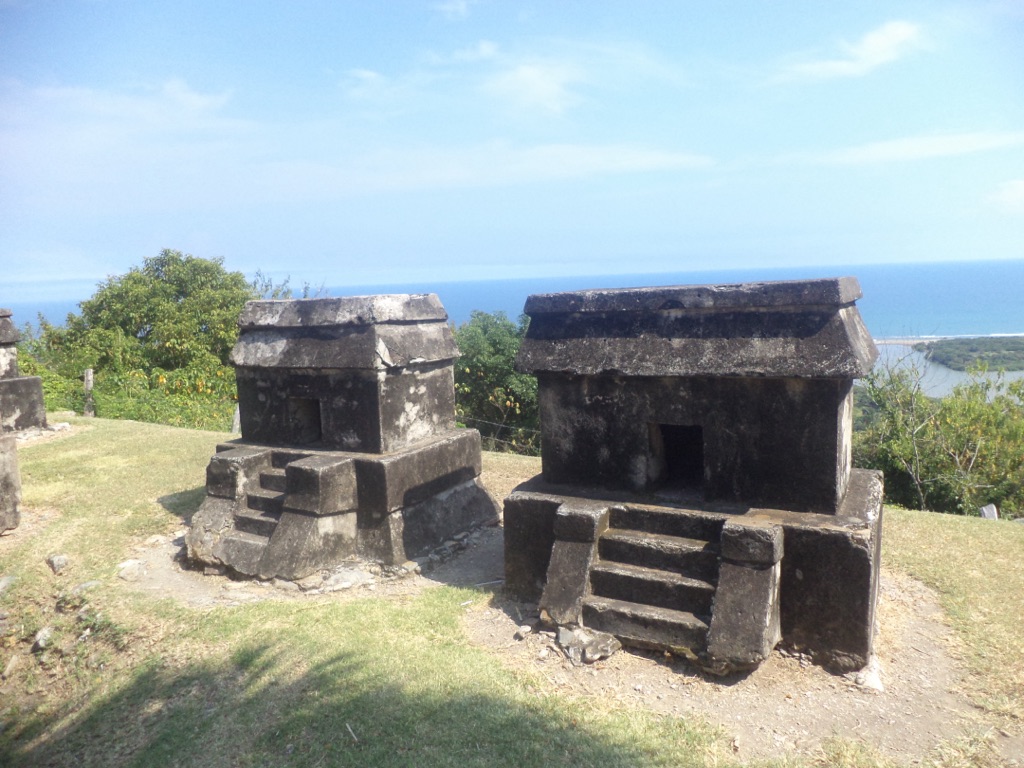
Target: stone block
<point>745,616</point>
<point>230,471</point>
<point>391,481</point>
<point>302,544</point>
<point>21,403</point>
<point>830,577</point>
<point>529,523</point>
<point>581,520</point>
<point>10,484</point>
<point>567,581</point>
<point>321,485</point>
<point>751,541</point>
<point>428,523</point>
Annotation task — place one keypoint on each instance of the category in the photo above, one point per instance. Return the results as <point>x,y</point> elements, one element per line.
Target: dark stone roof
<point>805,329</point>
<point>361,332</point>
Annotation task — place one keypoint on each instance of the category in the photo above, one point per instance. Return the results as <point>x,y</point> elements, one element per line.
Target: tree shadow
<point>255,709</point>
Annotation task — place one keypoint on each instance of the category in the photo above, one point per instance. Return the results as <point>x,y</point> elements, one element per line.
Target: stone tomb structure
<point>349,447</point>
<point>697,493</point>
<point>21,408</point>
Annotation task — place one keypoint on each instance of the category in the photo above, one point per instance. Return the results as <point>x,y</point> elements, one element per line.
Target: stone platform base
<point>10,484</point>
<point>721,583</point>
<point>279,512</point>
<point>21,403</point>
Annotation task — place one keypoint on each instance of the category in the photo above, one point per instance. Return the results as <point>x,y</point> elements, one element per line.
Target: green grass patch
<point>133,679</point>
<point>975,565</point>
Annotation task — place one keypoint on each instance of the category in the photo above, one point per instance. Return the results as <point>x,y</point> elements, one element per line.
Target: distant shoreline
<point>908,341</point>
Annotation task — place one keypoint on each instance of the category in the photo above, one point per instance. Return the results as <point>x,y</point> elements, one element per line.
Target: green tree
<point>158,339</point>
<point>951,454</point>
<point>490,395</point>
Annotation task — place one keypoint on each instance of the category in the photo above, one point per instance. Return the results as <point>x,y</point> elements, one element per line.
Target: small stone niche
<point>697,493</point>
<point>349,446</point>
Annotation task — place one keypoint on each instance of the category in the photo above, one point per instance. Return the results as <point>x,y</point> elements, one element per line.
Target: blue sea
<point>900,300</point>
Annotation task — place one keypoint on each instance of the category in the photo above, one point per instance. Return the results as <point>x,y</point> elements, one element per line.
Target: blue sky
<point>348,143</point>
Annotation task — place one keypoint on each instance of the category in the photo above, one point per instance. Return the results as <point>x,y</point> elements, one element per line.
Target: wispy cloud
<point>544,86</point>
<point>454,9</point>
<point>889,42</point>
<point>483,50</point>
<point>1009,196</point>
<point>921,148</point>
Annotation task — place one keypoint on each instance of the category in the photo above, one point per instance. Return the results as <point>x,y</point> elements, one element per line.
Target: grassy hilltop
<point>136,677</point>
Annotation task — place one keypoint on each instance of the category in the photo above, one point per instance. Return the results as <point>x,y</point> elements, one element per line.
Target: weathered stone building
<point>697,493</point>
<point>21,407</point>
<point>349,446</point>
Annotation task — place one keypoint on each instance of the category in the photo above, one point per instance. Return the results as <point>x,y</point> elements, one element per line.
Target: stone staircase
<point>653,581</point>
<point>255,523</point>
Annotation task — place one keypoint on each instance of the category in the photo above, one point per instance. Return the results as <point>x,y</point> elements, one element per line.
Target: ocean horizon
<point>901,301</point>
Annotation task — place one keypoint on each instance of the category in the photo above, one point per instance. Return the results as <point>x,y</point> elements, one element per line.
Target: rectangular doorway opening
<point>677,451</point>
<point>304,420</point>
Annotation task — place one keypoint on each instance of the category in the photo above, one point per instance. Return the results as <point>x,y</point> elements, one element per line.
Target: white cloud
<point>889,42</point>
<point>454,9</point>
<point>1009,196</point>
<point>546,87</point>
<point>922,148</point>
<point>483,50</point>
<point>488,165</point>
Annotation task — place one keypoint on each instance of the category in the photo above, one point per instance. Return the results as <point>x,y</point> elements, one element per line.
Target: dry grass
<point>134,680</point>
<point>977,566</point>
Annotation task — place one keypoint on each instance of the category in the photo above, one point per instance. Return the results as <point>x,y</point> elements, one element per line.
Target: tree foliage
<point>951,454</point>
<point>158,339</point>
<point>490,395</point>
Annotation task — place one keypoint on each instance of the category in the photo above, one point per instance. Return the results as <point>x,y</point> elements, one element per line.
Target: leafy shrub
<point>951,454</point>
<point>490,395</point>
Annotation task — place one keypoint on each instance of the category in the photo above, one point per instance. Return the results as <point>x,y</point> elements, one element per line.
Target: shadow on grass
<point>184,503</point>
<point>251,710</point>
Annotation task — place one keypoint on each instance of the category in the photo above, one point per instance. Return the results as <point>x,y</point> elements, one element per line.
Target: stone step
<point>274,479</point>
<point>689,557</point>
<point>257,521</point>
<point>243,551</point>
<point>651,586</point>
<point>282,457</point>
<point>669,522</point>
<point>646,626</point>
<point>265,501</point>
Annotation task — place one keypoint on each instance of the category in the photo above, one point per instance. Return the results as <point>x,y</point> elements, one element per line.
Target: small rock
<point>57,563</point>
<point>42,639</point>
<point>11,665</point>
<point>870,677</point>
<point>131,570</point>
<point>84,587</point>
<point>5,582</point>
<point>523,631</point>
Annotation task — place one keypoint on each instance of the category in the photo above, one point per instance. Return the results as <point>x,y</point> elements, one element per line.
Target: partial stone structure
<point>21,408</point>
<point>21,397</point>
<point>697,493</point>
<point>349,447</point>
<point>10,484</point>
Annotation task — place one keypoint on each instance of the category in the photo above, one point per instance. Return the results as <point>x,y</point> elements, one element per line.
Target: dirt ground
<point>911,704</point>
